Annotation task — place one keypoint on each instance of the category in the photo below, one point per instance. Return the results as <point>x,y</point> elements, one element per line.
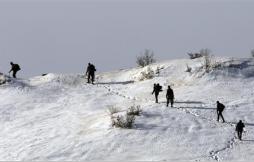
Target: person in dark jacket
<point>14,69</point>
<point>220,108</point>
<point>156,90</point>
<point>170,96</point>
<point>91,73</point>
<point>239,129</point>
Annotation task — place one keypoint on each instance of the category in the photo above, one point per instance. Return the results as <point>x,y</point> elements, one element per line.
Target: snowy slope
<point>60,117</point>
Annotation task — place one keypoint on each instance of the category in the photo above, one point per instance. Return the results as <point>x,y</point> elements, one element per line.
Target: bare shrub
<point>134,110</point>
<point>145,58</point>
<point>207,63</point>
<point>203,52</point>
<point>194,55</point>
<point>210,63</point>
<point>188,68</point>
<point>157,71</point>
<point>147,74</point>
<point>113,110</point>
<point>125,121</point>
<point>208,60</point>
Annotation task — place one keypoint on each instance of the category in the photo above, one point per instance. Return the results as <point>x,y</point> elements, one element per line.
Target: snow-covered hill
<point>61,117</point>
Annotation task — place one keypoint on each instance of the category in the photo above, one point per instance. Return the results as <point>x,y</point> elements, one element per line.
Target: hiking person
<point>90,72</point>
<point>220,108</point>
<point>156,90</point>
<point>14,69</point>
<point>170,96</point>
<point>239,129</point>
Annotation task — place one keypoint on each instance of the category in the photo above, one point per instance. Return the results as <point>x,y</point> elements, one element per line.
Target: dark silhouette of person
<point>170,96</point>
<point>156,90</point>
<point>91,73</point>
<point>220,108</point>
<point>239,129</point>
<point>14,69</point>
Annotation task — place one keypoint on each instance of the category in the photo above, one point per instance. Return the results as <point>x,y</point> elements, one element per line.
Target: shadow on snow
<point>123,83</point>
<point>190,102</point>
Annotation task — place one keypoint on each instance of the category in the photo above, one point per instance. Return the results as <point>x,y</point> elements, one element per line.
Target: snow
<point>61,117</point>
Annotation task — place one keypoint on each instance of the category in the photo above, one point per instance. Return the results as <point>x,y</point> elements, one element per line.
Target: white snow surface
<point>61,117</point>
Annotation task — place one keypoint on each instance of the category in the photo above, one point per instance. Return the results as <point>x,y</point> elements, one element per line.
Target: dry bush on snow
<point>146,58</point>
<point>113,110</point>
<point>203,52</point>
<point>210,63</point>
<point>188,69</point>
<point>207,64</point>
<point>147,74</point>
<point>134,110</point>
<point>194,55</point>
<point>123,121</point>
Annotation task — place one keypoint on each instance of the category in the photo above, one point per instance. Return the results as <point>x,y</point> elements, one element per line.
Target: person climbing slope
<point>14,69</point>
<point>239,129</point>
<point>170,96</point>
<point>90,72</point>
<point>157,88</point>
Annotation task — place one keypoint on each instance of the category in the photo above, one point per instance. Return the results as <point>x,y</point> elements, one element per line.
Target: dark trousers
<point>14,74</point>
<point>90,77</point>
<point>239,133</point>
<point>171,101</point>
<point>156,97</point>
<point>219,114</point>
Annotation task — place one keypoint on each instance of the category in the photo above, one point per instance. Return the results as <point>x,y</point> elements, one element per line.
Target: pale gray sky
<point>63,36</point>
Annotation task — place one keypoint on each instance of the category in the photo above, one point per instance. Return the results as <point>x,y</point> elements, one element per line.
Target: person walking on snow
<point>239,129</point>
<point>170,96</point>
<point>90,72</point>
<point>220,108</point>
<point>156,90</point>
<point>14,69</point>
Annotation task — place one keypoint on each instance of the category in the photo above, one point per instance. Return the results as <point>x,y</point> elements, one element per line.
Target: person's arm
<point>87,70</point>
<point>11,70</point>
<point>153,91</point>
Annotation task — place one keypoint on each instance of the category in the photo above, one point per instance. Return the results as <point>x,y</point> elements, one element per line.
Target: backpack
<point>160,88</point>
<point>93,68</point>
<point>18,67</point>
<point>222,107</point>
